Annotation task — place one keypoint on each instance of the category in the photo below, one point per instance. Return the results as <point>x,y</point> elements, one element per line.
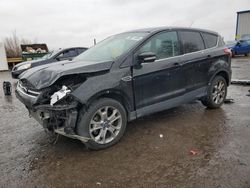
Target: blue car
<point>242,47</point>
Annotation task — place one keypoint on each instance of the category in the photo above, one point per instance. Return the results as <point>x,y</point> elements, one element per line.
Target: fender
<point>220,67</point>
<point>104,85</point>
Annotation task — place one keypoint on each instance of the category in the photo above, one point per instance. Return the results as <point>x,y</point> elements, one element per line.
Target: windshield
<point>245,37</point>
<point>48,55</point>
<point>112,47</point>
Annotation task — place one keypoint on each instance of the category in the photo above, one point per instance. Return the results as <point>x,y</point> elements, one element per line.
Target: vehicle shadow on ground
<point>142,149</point>
<point>188,122</point>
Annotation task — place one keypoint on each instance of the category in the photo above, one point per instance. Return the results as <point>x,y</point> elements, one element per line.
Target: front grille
<point>26,84</point>
<point>25,90</point>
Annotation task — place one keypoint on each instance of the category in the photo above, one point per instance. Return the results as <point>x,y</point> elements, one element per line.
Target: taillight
<point>227,51</point>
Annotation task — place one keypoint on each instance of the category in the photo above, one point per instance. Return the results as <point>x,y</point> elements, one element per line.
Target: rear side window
<point>191,41</point>
<point>221,41</point>
<point>210,40</point>
<point>68,53</point>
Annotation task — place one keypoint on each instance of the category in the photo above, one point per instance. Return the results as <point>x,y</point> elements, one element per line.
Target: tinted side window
<point>210,40</point>
<point>81,50</point>
<point>191,41</point>
<point>72,53</point>
<point>246,42</point>
<point>164,45</point>
<point>68,53</point>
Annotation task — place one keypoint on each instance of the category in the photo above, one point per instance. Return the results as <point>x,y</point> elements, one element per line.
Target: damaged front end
<point>53,107</point>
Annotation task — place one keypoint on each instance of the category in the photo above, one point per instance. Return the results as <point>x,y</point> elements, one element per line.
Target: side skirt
<point>177,101</point>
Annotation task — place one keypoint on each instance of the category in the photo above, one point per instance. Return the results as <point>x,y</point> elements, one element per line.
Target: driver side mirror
<point>58,58</point>
<point>238,43</point>
<point>146,57</point>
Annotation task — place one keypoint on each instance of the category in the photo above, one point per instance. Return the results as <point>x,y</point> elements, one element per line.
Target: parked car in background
<point>245,37</point>
<point>241,47</point>
<point>54,56</point>
<point>125,77</point>
<point>230,44</point>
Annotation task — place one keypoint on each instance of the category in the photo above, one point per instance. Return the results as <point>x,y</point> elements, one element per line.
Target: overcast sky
<point>67,23</point>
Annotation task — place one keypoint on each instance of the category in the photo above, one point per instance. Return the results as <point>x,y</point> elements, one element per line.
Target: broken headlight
<point>59,92</point>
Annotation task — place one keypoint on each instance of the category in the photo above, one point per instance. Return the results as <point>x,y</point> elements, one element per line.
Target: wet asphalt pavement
<point>154,152</point>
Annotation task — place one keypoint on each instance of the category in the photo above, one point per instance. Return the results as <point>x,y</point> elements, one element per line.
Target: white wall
<point>3,60</point>
<point>243,24</point>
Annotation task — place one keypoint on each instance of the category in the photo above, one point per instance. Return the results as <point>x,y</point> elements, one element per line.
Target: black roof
<point>158,29</point>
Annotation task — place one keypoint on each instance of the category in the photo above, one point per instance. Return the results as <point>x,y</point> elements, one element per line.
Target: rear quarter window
<point>221,42</point>
<point>210,40</point>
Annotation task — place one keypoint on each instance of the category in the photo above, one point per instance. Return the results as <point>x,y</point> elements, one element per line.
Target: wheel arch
<point>222,73</point>
<point>116,95</point>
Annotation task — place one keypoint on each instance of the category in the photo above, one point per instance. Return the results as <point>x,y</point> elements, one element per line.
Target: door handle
<point>127,78</point>
<point>177,64</point>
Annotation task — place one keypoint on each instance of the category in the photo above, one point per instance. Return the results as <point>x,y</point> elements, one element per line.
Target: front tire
<point>216,93</point>
<point>104,122</point>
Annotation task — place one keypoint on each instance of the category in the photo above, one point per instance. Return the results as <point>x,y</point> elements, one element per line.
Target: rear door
<point>194,60</point>
<point>162,79</point>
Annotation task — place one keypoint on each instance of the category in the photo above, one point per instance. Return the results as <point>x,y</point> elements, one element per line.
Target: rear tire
<point>216,93</point>
<point>247,54</point>
<point>233,54</point>
<point>104,122</point>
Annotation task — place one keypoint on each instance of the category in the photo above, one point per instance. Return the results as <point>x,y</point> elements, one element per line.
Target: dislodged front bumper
<point>66,115</point>
<point>74,136</point>
<point>26,96</point>
<point>54,118</point>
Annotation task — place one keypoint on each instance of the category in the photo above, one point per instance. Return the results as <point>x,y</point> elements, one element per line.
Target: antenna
<point>191,23</point>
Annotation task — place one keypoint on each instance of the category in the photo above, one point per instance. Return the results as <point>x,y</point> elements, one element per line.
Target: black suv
<point>125,77</point>
<point>54,56</point>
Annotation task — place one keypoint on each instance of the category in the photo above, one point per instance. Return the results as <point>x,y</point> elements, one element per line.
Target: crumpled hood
<point>44,76</point>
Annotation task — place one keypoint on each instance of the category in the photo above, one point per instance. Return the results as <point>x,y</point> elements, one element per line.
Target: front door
<point>162,79</point>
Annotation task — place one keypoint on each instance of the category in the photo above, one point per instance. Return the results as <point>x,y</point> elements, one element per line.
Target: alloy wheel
<point>219,92</point>
<point>105,124</point>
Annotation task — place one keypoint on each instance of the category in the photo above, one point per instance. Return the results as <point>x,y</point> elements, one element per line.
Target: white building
<point>243,24</point>
<point>3,60</point>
